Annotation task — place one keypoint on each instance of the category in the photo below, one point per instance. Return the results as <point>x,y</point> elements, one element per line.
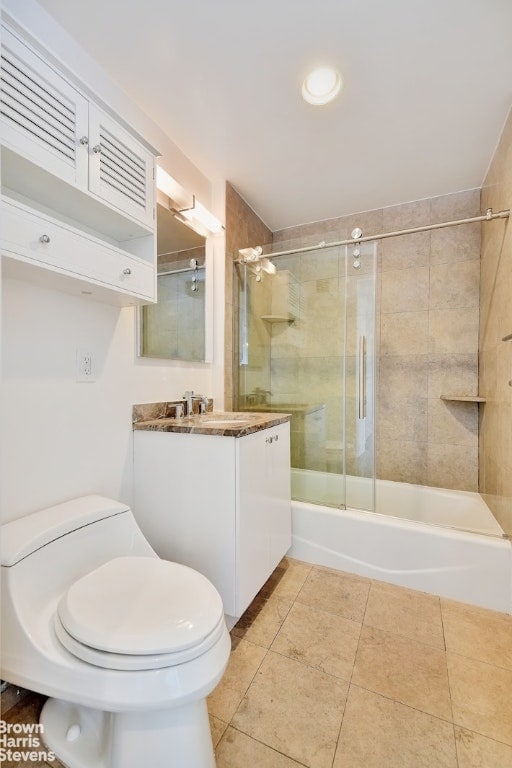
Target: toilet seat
<point>139,613</point>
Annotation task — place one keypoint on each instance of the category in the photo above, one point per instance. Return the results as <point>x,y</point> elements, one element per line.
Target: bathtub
<point>453,548</point>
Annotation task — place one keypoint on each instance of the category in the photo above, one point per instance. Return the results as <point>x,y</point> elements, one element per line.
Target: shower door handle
<point>362,377</point>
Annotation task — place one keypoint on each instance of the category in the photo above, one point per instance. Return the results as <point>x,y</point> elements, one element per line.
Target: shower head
<point>268,267</point>
<point>251,254</point>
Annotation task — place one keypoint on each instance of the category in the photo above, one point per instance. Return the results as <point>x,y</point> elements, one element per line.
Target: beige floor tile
<point>294,709</point>
<point>380,733</point>
<point>236,750</point>
<point>262,620</point>
<point>405,612</point>
<point>475,751</point>
<point>319,639</point>
<point>217,728</point>
<point>409,672</point>
<point>478,633</point>
<point>335,592</point>
<point>481,697</point>
<point>242,666</point>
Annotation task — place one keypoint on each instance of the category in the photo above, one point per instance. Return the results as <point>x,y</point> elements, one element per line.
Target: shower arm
<point>488,216</point>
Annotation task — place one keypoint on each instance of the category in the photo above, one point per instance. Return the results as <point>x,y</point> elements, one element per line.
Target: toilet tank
<point>43,553</point>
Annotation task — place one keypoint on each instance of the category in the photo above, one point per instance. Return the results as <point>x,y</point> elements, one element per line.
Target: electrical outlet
<point>84,368</point>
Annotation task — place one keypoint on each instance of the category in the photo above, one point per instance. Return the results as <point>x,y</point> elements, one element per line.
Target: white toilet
<point>127,645</point>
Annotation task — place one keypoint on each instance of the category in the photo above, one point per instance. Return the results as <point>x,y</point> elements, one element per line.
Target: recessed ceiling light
<point>321,86</point>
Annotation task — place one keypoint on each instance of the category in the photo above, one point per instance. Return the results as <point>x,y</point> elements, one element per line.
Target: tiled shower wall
<point>495,323</point>
<point>243,230</point>
<point>427,337</point>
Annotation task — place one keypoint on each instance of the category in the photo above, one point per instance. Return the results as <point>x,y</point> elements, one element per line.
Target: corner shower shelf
<point>277,318</point>
<point>464,398</point>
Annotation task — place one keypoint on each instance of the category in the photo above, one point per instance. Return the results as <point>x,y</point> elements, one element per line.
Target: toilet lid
<point>141,605</point>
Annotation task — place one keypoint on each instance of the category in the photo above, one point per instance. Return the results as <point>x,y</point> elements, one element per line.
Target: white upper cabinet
<point>43,116</point>
<point>120,170</point>
<point>65,157</point>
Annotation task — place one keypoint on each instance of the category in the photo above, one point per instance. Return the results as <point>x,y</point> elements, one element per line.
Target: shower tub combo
<point>453,548</point>
<point>307,345</point>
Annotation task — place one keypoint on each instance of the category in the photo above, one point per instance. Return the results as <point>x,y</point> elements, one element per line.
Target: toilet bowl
<point>127,645</point>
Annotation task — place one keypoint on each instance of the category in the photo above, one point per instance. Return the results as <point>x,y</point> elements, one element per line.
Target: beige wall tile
<point>402,461</point>
<point>404,333</point>
<point>453,374</point>
<point>453,331</point>
<point>405,290</point>
<point>459,205</point>
<point>453,244</point>
<point>453,466</point>
<point>426,330</point>
<point>406,215</point>
<point>495,370</point>
<point>455,286</point>
<point>402,419</point>
<point>405,251</point>
<point>453,422</point>
<point>403,375</point>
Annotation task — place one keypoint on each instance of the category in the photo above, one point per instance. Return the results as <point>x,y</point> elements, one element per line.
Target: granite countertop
<point>229,424</point>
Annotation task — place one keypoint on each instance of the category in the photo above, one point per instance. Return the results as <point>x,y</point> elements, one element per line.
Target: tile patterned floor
<point>330,670</point>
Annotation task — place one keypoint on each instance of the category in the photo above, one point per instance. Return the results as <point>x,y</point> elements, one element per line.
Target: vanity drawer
<point>32,236</point>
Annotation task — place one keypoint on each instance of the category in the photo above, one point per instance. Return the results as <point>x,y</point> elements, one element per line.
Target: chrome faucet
<point>189,400</point>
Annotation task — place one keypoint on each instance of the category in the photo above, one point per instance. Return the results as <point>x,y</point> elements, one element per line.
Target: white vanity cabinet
<point>218,504</point>
<point>64,159</point>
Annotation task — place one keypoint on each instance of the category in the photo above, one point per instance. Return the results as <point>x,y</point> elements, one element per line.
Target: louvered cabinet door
<point>121,171</point>
<point>42,117</point>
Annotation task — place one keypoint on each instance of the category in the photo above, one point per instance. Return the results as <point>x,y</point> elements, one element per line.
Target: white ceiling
<point>427,87</point>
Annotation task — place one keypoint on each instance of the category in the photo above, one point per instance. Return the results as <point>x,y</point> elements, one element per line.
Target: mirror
<point>174,328</point>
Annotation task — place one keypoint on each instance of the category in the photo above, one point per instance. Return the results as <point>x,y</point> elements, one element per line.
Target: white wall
<point>60,438</point>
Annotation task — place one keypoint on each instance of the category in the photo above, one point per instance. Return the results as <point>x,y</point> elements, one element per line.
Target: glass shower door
<point>306,347</point>
<point>360,377</point>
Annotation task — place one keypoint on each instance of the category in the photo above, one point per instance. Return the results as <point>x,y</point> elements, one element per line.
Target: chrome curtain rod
<point>488,216</point>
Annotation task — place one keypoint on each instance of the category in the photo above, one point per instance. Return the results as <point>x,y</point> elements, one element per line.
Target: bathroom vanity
<point>213,492</point>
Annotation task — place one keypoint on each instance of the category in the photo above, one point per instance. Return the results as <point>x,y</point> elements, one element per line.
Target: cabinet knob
<point>84,140</point>
<point>127,271</point>
<point>97,149</point>
<point>44,239</point>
